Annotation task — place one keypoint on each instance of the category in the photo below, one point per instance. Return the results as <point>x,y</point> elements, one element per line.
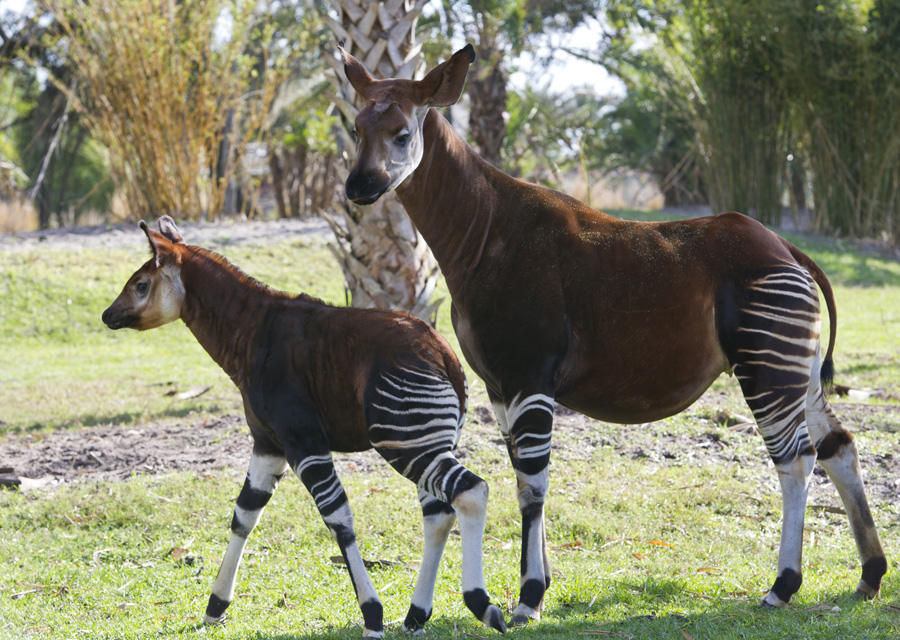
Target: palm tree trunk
<point>385,261</point>
<point>487,97</point>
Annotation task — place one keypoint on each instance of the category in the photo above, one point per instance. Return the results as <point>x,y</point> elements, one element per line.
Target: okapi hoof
<point>369,633</point>
<point>519,620</point>
<point>208,620</point>
<point>872,572</point>
<point>494,619</point>
<point>415,620</point>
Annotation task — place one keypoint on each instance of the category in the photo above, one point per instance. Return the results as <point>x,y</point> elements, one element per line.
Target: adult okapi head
<point>152,296</point>
<point>389,128</point>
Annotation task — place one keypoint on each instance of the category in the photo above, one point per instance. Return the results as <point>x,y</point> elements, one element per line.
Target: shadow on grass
<point>837,618</point>
<point>125,418</point>
<point>848,266</point>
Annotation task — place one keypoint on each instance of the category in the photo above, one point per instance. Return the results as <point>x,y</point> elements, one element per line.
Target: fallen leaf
<point>177,553</point>
<point>639,556</point>
<point>193,393</point>
<point>661,544</point>
<point>828,509</point>
<point>686,635</point>
<point>568,545</point>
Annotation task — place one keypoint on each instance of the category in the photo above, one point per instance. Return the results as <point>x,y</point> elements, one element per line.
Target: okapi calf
<point>624,321</point>
<point>316,379</point>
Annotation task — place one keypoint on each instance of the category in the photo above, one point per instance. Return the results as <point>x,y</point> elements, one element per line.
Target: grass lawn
<point>642,546</point>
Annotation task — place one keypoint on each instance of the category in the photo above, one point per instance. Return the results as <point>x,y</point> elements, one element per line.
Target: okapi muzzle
<point>365,187</point>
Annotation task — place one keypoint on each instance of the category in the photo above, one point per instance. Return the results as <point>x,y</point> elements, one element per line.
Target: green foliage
<point>175,92</point>
<point>545,131</point>
<point>781,80</point>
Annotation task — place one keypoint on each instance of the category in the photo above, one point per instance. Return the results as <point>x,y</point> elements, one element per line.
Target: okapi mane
<point>212,262</point>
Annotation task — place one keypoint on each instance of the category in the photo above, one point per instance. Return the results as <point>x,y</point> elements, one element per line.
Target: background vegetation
<point>750,106</point>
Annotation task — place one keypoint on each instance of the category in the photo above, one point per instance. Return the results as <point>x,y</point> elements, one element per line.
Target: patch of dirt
<point>223,446</point>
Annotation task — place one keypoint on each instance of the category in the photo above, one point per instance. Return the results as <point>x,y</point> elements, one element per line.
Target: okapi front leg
<point>529,420</point>
<point>262,477</point>
<point>318,475</point>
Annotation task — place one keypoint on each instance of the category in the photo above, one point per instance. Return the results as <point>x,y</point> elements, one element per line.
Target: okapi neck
<point>222,308</point>
<point>452,199</point>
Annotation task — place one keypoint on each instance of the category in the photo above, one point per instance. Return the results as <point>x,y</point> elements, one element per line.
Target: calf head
<point>154,294</point>
<point>388,130</point>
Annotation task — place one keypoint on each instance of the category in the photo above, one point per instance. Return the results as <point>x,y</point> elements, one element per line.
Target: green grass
<point>641,549</point>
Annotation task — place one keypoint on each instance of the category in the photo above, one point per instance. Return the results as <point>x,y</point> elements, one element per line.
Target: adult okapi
<point>316,379</point>
<point>623,321</point>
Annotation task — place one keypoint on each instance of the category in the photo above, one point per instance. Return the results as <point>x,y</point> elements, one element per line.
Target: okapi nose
<point>105,317</point>
<point>365,188</point>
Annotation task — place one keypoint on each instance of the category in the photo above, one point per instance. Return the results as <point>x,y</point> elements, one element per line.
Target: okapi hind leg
<point>437,520</point>
<point>318,475</point>
<point>414,419</point>
<point>771,340</point>
<point>262,477</point>
<point>837,453</point>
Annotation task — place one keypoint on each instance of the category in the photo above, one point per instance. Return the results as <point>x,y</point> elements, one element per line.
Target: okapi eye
<point>401,140</point>
<point>355,135</point>
<point>142,287</point>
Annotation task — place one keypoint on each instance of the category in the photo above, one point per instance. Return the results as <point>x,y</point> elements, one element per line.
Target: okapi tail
<point>827,373</point>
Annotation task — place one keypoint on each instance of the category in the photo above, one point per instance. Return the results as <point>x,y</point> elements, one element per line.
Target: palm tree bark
<point>487,98</point>
<point>385,261</point>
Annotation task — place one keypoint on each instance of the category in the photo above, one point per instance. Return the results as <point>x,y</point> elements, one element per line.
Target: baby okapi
<point>316,379</point>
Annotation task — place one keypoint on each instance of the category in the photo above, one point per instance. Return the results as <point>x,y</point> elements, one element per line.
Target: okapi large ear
<point>355,71</point>
<point>159,245</point>
<point>444,84</point>
<point>153,246</point>
<point>169,230</point>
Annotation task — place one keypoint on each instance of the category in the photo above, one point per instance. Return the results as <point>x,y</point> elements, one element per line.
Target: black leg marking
<point>373,615</point>
<point>787,584</point>
<point>828,446</point>
<point>477,600</point>
<point>872,572</point>
<point>216,607</point>
<point>435,507</point>
<point>416,618</point>
<point>532,593</point>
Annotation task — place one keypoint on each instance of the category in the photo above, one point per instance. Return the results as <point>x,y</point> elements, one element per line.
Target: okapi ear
<point>153,246</point>
<point>160,246</point>
<point>444,84</point>
<point>355,71</point>
<point>169,230</point>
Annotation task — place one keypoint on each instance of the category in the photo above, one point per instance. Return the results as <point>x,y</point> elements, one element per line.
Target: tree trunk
<point>487,99</point>
<point>385,261</point>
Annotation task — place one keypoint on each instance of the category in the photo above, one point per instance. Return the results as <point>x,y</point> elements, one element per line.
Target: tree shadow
<point>123,418</point>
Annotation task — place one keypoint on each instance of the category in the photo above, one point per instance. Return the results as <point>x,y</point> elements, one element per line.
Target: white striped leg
<point>529,420</point>
<point>318,475</point>
<point>471,510</point>
<point>437,519</point>
<point>838,455</point>
<point>262,477</point>
<point>794,479</point>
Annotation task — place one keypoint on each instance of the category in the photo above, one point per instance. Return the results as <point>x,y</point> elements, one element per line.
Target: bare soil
<point>223,444</point>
